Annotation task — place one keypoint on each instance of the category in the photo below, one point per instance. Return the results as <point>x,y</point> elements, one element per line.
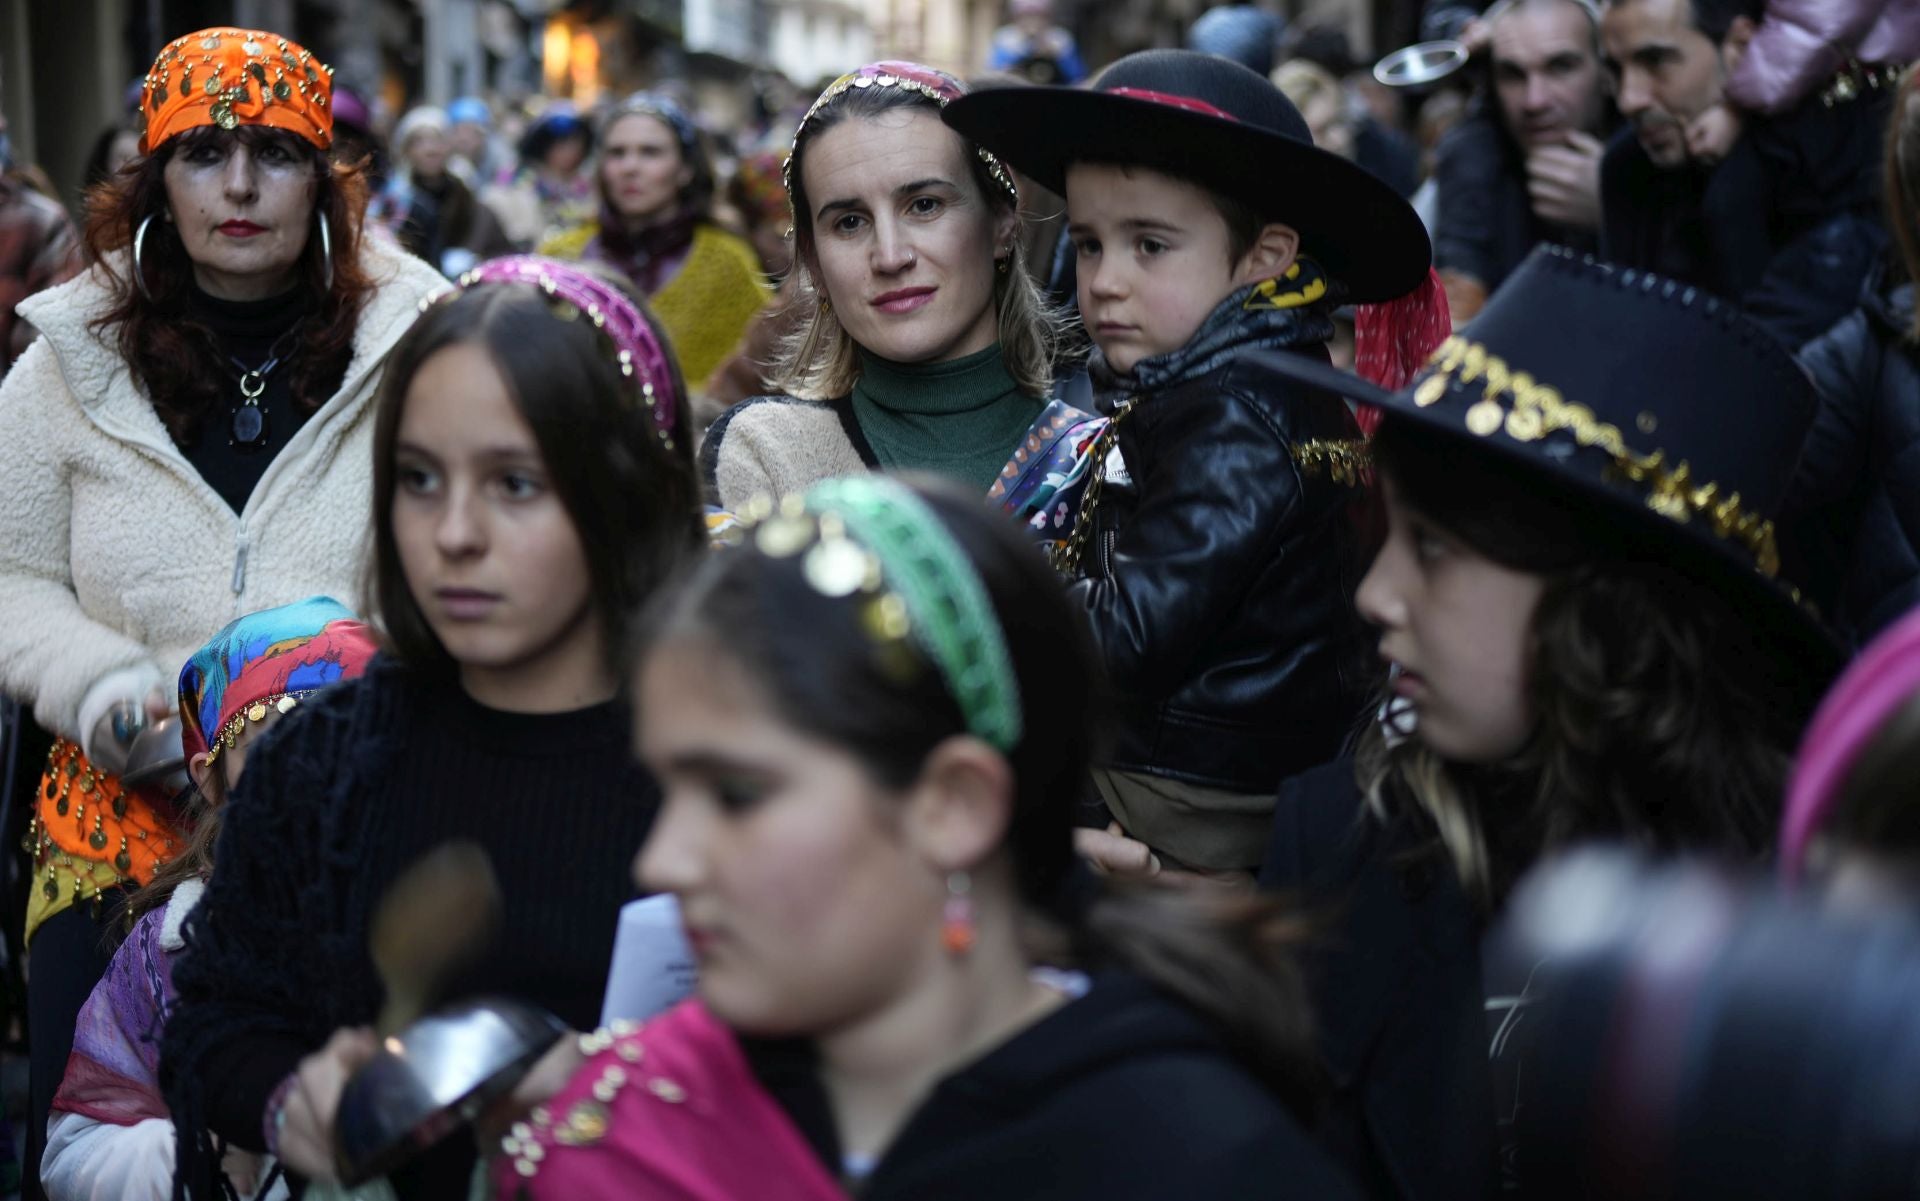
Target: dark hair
<point>1715,18</point>
<point>1666,716</point>
<point>1874,805</point>
<point>96,170</point>
<point>164,347</point>
<point>1228,958</point>
<point>1244,222</point>
<point>634,501</point>
<point>1900,180</point>
<point>202,809</point>
<point>696,197</point>
<point>549,131</point>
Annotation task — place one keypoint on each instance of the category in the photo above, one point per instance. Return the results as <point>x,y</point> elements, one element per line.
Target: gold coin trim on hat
<point>1533,410</point>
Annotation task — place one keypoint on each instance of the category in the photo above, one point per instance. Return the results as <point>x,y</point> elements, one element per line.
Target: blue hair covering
<point>470,110</point>
<point>1240,32</point>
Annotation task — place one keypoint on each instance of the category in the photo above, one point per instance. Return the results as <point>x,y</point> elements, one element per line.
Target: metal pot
<point>1421,64</point>
<point>434,1077</point>
<point>156,763</point>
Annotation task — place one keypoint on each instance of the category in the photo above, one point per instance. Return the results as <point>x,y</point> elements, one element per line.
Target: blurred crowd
<point>1244,621</point>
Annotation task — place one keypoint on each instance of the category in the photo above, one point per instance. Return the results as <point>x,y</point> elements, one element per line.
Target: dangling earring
<point>826,303</point>
<point>326,254</point>
<point>1001,264</point>
<point>139,244</point>
<point>956,920</point>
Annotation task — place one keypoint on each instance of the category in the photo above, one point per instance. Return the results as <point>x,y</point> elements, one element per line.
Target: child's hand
<point>305,1120</point>
<point>548,1076</point>
<point>1112,853</point>
<point>1711,134</point>
<point>1563,182</point>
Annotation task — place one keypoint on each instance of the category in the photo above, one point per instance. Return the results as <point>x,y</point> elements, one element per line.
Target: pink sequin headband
<point>578,292</point>
<point>936,86</point>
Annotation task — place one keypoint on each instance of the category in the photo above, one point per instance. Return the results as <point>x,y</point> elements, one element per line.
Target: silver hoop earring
<point>139,244</point>
<point>326,255</point>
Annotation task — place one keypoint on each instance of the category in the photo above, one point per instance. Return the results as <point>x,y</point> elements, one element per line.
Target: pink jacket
<point>1803,42</point>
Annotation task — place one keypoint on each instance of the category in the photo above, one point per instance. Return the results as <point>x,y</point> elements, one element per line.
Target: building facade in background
<point>66,66</point>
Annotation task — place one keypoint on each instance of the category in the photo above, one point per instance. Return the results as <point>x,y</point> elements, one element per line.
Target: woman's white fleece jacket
<point>117,560</point>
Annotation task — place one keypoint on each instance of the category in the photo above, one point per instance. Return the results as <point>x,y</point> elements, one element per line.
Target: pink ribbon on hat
<point>1878,684</point>
<point>642,358</point>
<point>1172,101</point>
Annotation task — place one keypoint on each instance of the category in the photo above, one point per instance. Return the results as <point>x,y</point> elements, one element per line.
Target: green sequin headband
<point>872,536</point>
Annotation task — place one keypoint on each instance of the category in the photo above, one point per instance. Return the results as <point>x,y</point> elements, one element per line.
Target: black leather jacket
<point>1220,578</point>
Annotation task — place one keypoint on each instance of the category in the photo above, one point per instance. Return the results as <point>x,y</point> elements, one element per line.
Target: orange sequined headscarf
<point>235,77</point>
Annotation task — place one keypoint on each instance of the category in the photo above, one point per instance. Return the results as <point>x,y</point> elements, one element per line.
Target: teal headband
<point>873,535</point>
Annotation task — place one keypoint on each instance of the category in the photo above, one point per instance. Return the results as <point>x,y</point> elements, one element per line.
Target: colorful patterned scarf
<point>261,662</point>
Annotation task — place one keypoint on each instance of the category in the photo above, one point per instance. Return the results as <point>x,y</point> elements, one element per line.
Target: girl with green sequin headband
<point>819,360</point>
<point>872,717</point>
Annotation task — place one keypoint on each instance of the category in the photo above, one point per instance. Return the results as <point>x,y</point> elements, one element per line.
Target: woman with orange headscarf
<point>188,441</point>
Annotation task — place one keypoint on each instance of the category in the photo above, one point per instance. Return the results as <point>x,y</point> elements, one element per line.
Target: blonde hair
<point>1303,82</point>
<point>820,361</point>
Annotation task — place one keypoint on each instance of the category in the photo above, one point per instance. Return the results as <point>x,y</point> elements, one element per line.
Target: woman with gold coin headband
<point>189,442</point>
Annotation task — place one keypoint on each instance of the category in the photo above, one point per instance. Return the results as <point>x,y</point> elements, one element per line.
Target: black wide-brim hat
<point>1651,403</point>
<point>1211,122</point>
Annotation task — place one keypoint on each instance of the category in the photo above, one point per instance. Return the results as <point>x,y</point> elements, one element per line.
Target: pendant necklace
<point>249,423</point>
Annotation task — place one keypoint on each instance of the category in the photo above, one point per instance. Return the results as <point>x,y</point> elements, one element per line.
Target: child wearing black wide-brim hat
<point>1594,633</point>
<point>1218,544</point>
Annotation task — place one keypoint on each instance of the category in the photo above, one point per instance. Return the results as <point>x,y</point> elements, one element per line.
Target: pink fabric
<point>1803,42</point>
<point>1873,689</point>
<point>686,1121</point>
<point>113,1072</point>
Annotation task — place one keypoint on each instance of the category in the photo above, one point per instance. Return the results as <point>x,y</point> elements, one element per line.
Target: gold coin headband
<point>874,538</point>
<point>936,86</point>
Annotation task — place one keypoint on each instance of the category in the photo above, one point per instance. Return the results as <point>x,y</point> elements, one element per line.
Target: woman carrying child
<point>924,344</point>
<point>532,485</point>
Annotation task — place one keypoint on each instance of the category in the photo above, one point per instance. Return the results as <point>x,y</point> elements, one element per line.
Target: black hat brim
<point>1350,221</point>
<point>1689,546</point>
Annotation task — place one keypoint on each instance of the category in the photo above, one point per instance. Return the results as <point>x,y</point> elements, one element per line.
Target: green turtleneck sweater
<point>961,418</point>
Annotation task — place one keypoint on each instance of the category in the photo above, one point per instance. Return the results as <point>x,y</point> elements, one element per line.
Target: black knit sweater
<point>337,800</point>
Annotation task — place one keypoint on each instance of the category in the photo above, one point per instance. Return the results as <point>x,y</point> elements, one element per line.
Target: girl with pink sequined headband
<point>533,485</point>
<point>578,293</point>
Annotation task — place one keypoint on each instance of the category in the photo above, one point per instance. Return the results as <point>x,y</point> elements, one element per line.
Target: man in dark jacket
<point>1525,166</point>
<point>1784,224</point>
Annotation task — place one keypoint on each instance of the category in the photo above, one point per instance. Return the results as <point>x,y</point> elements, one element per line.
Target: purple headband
<point>641,356</point>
